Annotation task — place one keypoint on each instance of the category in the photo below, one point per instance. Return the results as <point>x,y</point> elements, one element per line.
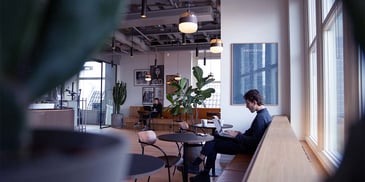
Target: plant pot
<point>60,155</point>
<point>117,120</point>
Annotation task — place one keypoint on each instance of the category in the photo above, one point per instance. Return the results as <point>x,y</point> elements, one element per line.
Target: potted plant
<point>185,97</point>
<point>119,97</point>
<point>43,44</point>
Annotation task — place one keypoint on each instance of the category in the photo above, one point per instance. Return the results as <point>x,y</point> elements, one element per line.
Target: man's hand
<point>232,132</point>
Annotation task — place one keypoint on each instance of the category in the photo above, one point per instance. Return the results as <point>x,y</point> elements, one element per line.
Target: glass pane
<point>362,81</point>
<point>91,90</point>
<point>108,102</point>
<point>334,88</point>
<point>91,69</point>
<point>313,95</point>
<point>326,7</point>
<point>212,66</point>
<point>311,20</point>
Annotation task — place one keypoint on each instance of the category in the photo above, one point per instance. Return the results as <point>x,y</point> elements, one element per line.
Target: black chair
<point>148,138</point>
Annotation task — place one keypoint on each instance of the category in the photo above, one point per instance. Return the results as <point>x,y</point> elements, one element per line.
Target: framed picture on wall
<point>148,93</point>
<point>159,93</point>
<point>255,66</point>
<point>139,75</point>
<point>157,75</point>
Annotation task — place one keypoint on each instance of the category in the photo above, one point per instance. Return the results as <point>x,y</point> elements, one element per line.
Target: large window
<point>332,67</point>
<point>96,83</point>
<point>313,94</point>
<point>326,7</point>
<point>312,20</point>
<point>334,87</point>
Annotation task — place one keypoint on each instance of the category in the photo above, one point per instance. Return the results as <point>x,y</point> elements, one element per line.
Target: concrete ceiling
<point>159,31</point>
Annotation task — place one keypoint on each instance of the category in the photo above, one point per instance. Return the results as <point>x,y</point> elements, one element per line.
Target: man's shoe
<point>201,177</point>
<point>145,128</point>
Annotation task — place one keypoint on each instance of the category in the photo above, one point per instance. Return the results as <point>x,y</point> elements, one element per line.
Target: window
<point>213,67</point>
<point>96,83</point>
<point>313,95</point>
<point>334,87</point>
<point>362,82</point>
<point>326,7</point>
<point>311,20</point>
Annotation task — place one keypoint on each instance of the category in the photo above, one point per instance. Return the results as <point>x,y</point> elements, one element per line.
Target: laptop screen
<point>147,108</point>
<point>217,124</point>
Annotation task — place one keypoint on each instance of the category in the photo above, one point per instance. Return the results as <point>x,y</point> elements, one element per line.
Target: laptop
<point>147,108</point>
<point>219,129</point>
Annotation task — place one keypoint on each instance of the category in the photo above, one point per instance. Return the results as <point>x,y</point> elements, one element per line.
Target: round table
<point>144,165</point>
<point>211,126</point>
<point>185,138</point>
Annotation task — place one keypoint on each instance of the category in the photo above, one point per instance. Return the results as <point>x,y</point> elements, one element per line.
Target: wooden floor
<point>169,147</point>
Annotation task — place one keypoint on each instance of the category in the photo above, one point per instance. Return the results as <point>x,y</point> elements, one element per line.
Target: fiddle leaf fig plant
<point>43,44</point>
<point>119,95</point>
<point>185,97</point>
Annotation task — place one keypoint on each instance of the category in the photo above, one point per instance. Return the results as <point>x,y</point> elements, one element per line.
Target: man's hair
<point>254,95</point>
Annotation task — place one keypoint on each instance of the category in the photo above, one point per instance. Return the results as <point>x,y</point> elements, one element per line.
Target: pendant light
<point>196,51</point>
<point>147,77</point>
<point>204,59</point>
<point>210,66</point>
<point>188,22</point>
<point>144,9</point>
<point>216,45</point>
<point>177,76</point>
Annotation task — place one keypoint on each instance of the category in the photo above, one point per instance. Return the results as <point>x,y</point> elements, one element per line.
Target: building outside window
<point>313,95</point>
<point>334,87</point>
<point>96,83</point>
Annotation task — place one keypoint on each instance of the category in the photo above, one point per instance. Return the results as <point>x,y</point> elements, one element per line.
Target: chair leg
<point>135,179</point>
<point>149,177</point>
<point>173,173</point>
<point>168,171</point>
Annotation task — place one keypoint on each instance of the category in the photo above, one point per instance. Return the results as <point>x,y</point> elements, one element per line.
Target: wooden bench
<point>166,122</point>
<point>279,157</point>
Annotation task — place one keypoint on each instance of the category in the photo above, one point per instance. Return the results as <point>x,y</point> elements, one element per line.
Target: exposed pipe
<point>143,35</point>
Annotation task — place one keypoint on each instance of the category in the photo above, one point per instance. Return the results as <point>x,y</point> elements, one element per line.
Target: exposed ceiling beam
<point>169,16</point>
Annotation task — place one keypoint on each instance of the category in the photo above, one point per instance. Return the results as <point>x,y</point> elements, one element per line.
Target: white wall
<point>254,21</point>
<point>173,61</point>
<point>298,69</point>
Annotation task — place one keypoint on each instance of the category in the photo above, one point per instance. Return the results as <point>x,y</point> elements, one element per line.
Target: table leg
<point>213,168</point>
<point>186,163</point>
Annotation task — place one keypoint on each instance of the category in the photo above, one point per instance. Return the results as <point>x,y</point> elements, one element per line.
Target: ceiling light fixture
<point>144,9</point>
<point>147,77</point>
<point>188,22</point>
<point>216,45</point>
